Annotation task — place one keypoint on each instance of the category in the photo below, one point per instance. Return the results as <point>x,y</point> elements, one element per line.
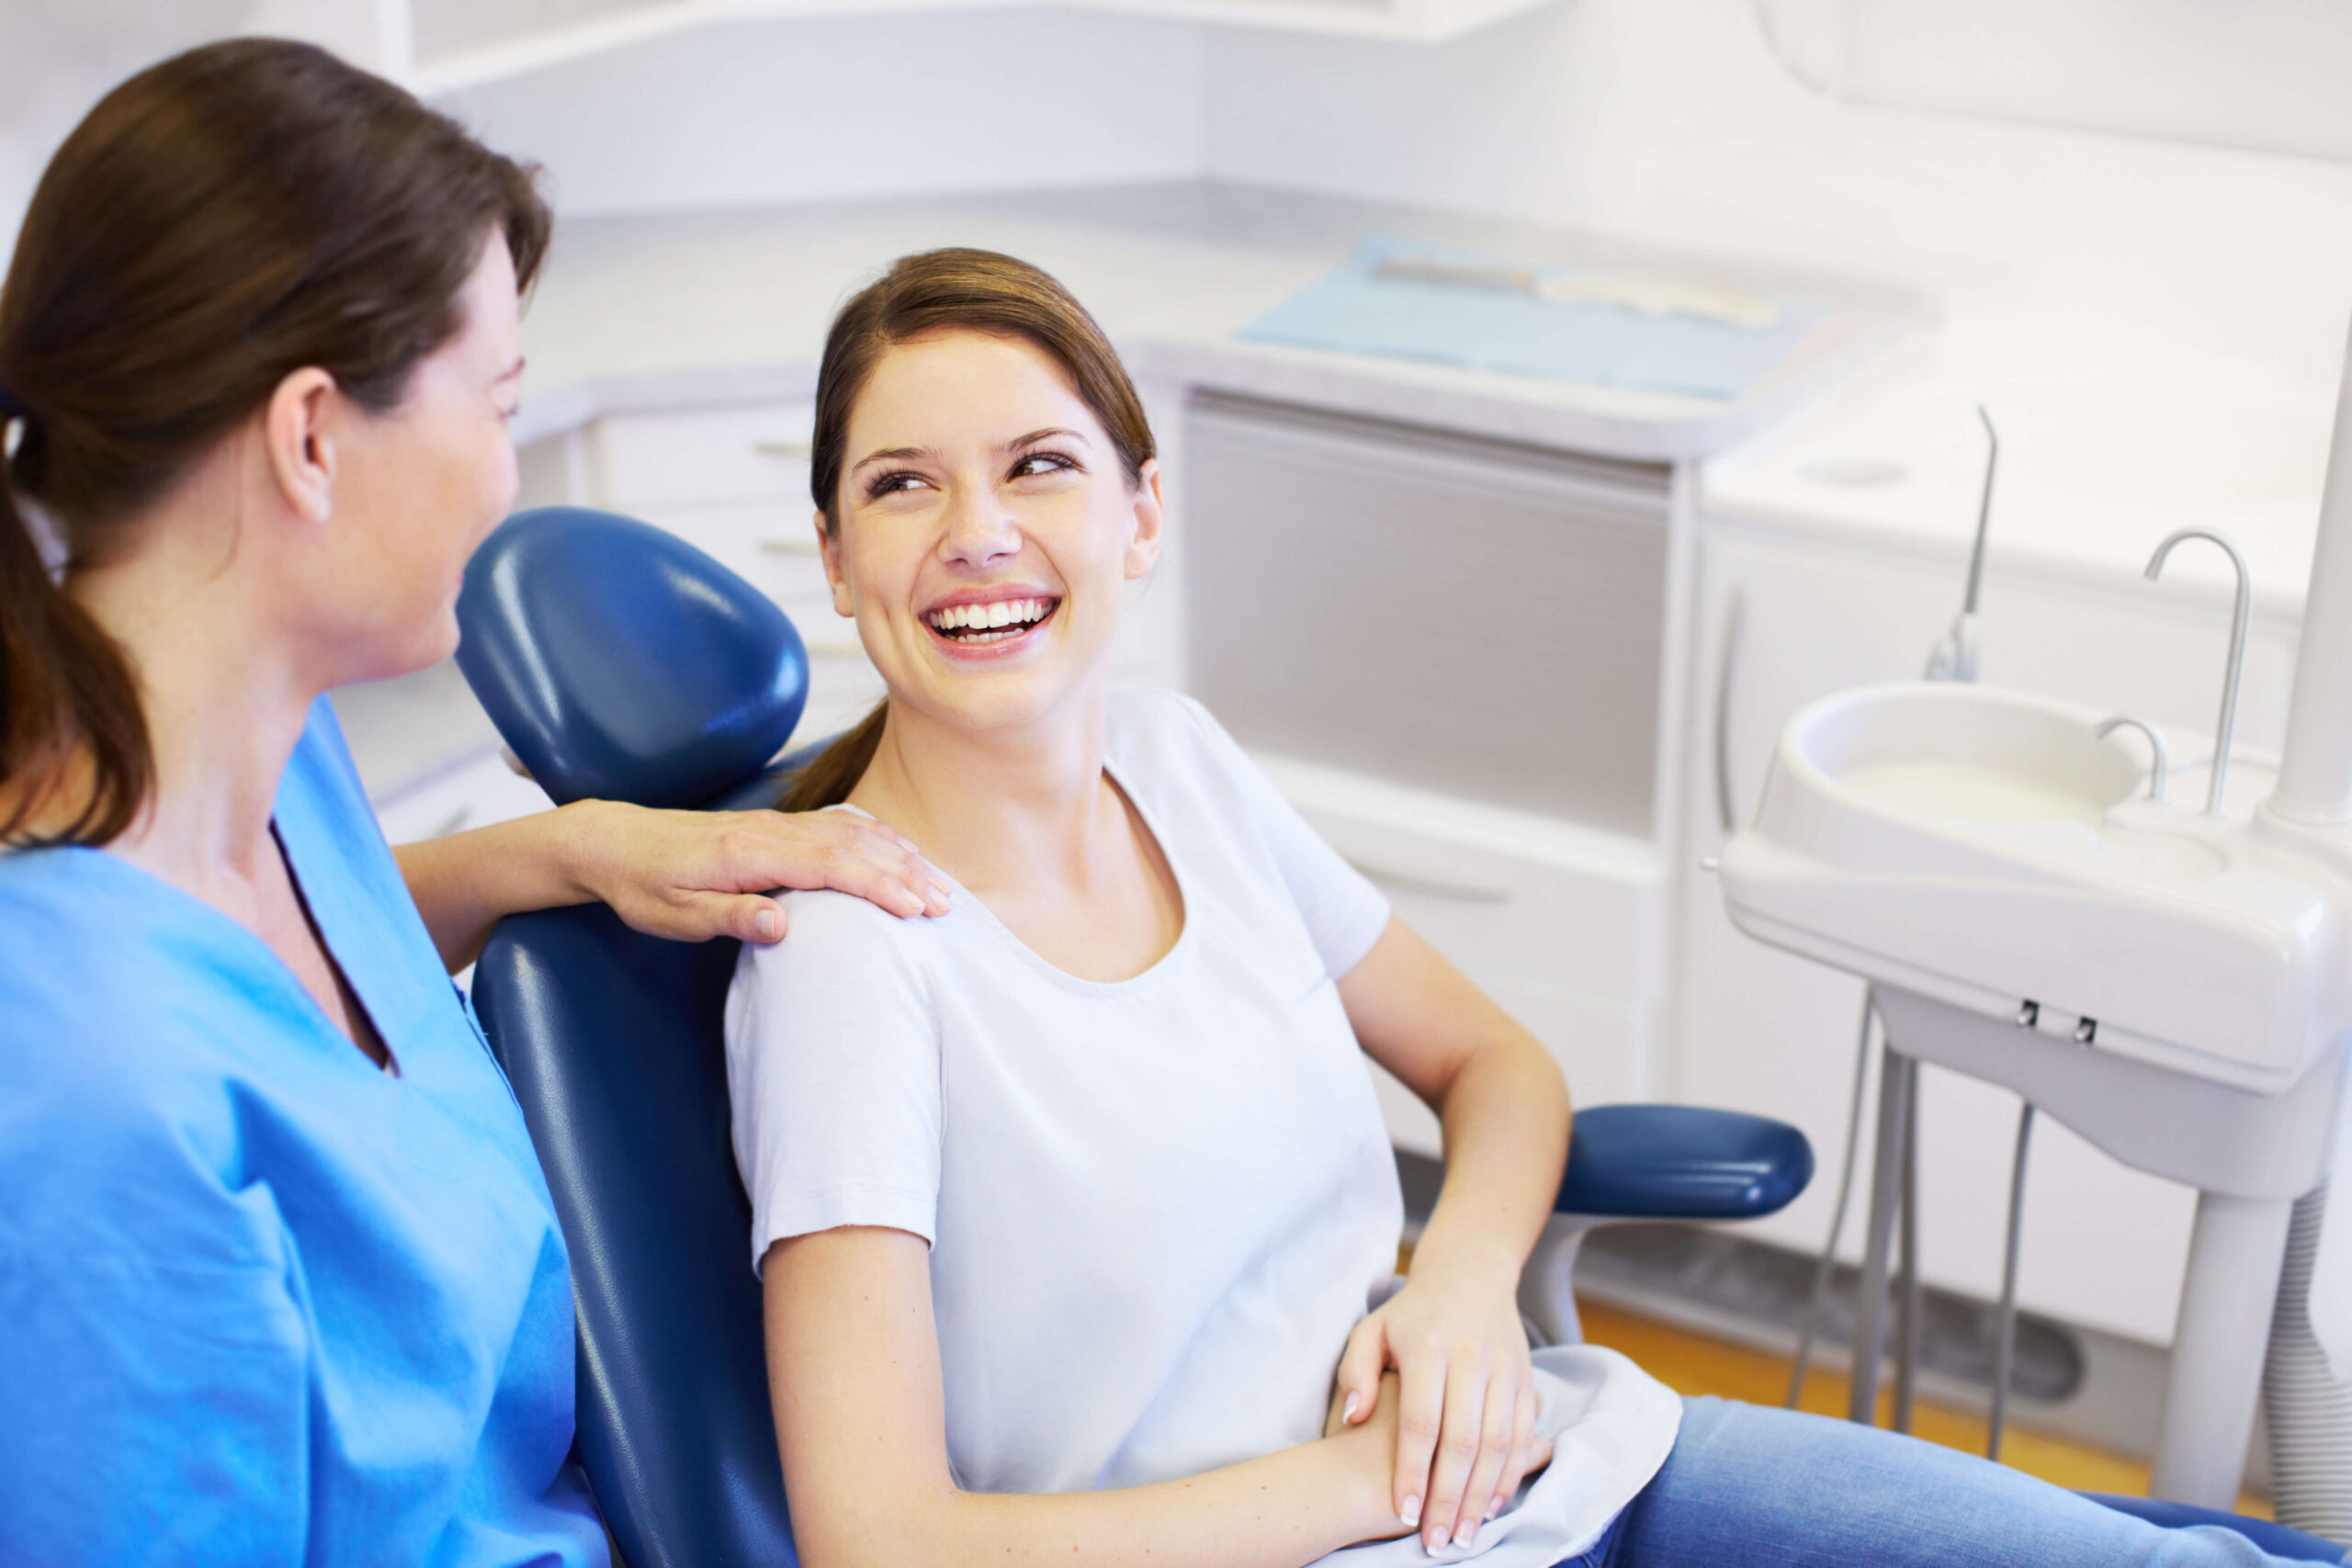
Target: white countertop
<point>2108,444</point>
<point>671,310</point>
<point>2109,439</point>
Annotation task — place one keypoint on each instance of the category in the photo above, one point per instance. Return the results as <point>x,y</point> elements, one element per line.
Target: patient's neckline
<point>970,904</point>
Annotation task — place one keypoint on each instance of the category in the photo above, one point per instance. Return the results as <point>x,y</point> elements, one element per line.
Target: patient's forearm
<point>861,1417</point>
<point>1506,1120</point>
<point>1283,1510</point>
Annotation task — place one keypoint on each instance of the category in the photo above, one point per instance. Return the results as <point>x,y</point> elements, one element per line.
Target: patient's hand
<point>690,875</point>
<point>1460,1400</point>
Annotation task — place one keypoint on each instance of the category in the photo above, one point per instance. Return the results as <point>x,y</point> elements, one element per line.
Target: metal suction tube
<point>1827,1265</point>
<point>2239,614</point>
<point>2005,1324</point>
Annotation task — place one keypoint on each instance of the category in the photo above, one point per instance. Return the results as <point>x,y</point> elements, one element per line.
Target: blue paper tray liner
<point>1351,311</point>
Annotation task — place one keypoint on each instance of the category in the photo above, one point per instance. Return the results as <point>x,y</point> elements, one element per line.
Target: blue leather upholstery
<point>2299,1546</point>
<point>1681,1162</point>
<point>618,660</point>
<point>613,1042</point>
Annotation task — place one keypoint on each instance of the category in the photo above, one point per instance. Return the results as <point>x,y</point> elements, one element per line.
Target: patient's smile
<point>971,625</point>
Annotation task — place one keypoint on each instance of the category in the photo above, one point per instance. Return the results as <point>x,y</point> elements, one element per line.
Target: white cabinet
<point>1561,926</point>
<point>473,790</point>
<point>1783,620</point>
<point>1450,653</point>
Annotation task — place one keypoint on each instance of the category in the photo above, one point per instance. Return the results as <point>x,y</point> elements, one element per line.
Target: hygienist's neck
<point>997,807</point>
<point>221,684</point>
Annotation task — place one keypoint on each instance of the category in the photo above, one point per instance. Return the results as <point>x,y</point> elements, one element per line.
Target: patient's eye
<point>897,480</point>
<point>1031,464</point>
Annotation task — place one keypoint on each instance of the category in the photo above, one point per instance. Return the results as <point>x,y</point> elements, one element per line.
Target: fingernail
<point>1411,1512</point>
<point>1465,1532</point>
<point>1348,1411</point>
<point>767,925</point>
<point>1494,1507</point>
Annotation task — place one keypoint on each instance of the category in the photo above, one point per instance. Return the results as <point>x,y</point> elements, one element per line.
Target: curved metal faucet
<point>2159,769</point>
<point>2238,616</point>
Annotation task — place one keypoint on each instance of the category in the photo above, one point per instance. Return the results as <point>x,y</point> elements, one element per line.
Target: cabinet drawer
<point>776,554</point>
<point>749,453</point>
<point>1568,951</point>
<point>473,792</point>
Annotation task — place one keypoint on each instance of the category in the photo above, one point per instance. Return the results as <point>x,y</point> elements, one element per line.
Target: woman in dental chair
<point>1074,1210</point>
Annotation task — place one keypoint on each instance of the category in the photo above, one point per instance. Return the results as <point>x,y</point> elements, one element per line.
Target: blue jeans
<point>1747,1487</point>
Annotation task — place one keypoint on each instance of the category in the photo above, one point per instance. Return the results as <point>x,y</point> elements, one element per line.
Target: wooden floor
<point>1691,1363</point>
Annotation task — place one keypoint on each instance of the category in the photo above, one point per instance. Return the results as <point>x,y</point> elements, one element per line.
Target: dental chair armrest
<point>1681,1162</point>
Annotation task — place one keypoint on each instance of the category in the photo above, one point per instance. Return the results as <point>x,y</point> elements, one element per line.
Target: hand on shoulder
<point>690,875</point>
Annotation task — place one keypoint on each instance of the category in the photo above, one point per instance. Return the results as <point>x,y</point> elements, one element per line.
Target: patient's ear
<point>829,550</point>
<point>1150,514</point>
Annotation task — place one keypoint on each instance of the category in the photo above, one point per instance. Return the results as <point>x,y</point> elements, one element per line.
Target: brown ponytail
<point>54,664</point>
<point>217,222</point>
<point>941,291</point>
<point>835,772</point>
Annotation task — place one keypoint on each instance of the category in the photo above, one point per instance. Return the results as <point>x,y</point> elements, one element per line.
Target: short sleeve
<point>833,1072</point>
<point>1343,911</point>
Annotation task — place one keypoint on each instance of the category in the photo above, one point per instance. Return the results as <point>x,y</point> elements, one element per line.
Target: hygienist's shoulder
<point>113,1109</point>
<point>85,961</point>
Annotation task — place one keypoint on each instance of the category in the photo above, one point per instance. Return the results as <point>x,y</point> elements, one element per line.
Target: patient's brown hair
<point>943,292</point>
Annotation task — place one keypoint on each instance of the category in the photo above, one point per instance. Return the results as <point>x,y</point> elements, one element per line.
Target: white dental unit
<point>2171,979</point>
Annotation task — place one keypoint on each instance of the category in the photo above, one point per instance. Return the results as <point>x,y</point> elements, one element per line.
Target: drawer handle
<point>1432,886</point>
<point>788,545</point>
<point>783,446</point>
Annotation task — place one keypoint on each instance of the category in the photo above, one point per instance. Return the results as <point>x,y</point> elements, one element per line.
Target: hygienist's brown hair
<point>220,220</point>
<point>943,292</point>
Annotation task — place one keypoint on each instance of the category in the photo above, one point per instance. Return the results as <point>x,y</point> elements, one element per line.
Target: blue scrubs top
<point>260,1302</point>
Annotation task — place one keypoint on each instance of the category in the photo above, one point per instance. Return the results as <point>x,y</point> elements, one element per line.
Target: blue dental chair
<point>619,662</point>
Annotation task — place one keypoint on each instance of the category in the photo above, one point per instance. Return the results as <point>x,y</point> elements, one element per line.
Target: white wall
<point>1670,121</point>
<point>58,57</point>
<point>769,112</point>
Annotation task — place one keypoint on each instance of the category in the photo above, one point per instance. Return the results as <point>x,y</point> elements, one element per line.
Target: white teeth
<point>986,618</point>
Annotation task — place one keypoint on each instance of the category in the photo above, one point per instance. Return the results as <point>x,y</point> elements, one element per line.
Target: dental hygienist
<point>279,1282</point>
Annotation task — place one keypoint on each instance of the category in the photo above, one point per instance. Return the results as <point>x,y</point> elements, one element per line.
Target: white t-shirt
<point>1156,1206</point>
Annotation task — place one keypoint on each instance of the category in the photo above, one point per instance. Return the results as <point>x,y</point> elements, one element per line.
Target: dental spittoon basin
<point>2174,984</point>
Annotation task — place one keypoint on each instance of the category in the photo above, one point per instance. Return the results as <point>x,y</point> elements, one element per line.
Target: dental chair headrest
<point>621,663</point>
